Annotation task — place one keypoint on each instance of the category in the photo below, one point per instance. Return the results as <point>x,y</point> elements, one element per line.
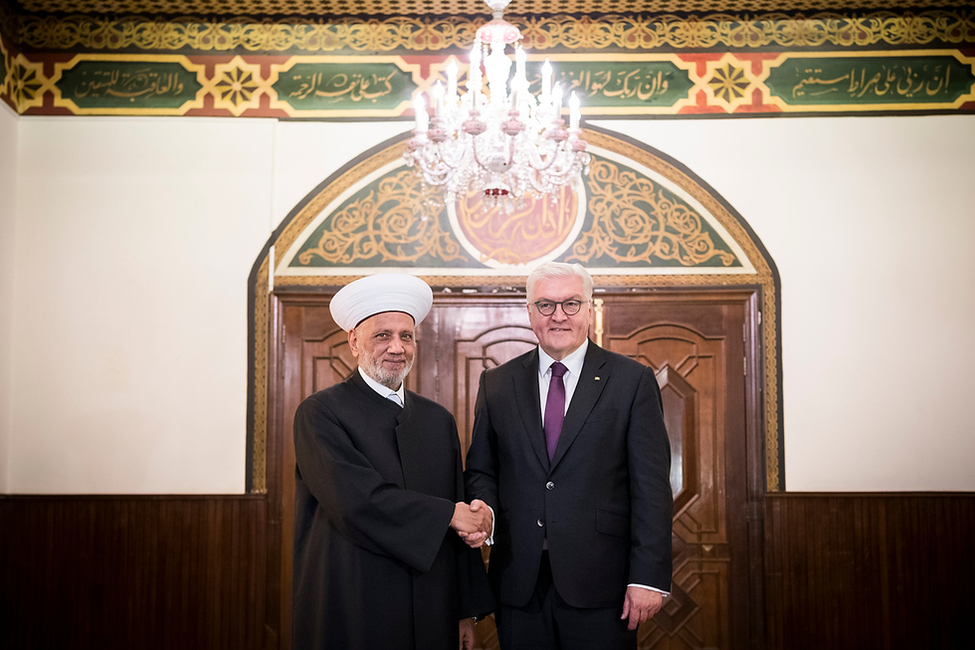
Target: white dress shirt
<point>396,396</point>
<point>573,363</point>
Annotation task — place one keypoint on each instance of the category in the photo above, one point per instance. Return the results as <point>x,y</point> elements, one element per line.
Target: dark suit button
<point>550,486</point>
<point>540,523</point>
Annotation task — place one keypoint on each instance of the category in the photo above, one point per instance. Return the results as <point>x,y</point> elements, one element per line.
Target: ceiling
<point>337,8</point>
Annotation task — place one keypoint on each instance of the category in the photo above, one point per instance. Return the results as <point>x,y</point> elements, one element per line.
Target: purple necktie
<point>554,408</point>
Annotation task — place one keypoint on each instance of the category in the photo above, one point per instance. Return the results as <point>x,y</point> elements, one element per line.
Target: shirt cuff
<point>490,540</point>
<point>661,591</point>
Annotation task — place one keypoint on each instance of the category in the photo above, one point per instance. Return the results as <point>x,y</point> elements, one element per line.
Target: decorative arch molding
<point>640,221</point>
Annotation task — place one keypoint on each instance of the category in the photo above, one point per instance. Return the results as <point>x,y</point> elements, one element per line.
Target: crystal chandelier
<point>505,143</point>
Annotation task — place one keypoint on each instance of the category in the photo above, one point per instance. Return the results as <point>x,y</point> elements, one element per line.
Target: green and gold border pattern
<point>620,32</point>
<point>622,64</point>
<point>383,86</point>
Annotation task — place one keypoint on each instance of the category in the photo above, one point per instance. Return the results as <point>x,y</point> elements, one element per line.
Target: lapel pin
<point>597,378</point>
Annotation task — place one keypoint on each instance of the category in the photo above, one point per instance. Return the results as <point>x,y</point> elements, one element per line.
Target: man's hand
<point>464,521</point>
<point>472,523</point>
<point>466,634</point>
<point>640,605</point>
<point>476,540</point>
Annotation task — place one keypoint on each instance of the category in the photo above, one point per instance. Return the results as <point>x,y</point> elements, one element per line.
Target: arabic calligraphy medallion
<point>537,231</point>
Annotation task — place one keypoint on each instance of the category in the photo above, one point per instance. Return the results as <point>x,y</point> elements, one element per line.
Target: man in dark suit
<point>379,486</point>
<point>570,452</point>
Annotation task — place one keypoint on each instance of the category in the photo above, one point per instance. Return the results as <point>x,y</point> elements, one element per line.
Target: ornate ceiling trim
<point>382,87</point>
<point>423,33</point>
<point>456,7</point>
<point>624,64</point>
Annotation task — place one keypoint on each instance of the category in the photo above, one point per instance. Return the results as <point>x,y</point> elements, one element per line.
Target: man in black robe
<point>379,559</point>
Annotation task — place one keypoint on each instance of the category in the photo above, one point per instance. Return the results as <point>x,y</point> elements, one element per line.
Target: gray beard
<point>390,380</point>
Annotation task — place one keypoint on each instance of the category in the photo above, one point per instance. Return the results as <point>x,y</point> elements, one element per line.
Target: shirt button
<point>550,486</point>
<point>540,523</point>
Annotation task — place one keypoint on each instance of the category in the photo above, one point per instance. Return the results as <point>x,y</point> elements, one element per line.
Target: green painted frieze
<point>871,80</point>
<point>116,84</point>
<point>337,86</point>
<point>612,84</point>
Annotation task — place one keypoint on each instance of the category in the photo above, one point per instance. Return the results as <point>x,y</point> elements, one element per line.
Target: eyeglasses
<point>570,307</point>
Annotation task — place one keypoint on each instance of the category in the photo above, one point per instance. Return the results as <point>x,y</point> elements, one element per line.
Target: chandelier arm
<point>477,159</point>
<point>511,151</point>
<point>443,158</point>
<point>543,165</point>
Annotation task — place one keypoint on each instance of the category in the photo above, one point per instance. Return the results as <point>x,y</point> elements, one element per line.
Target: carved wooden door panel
<point>695,346</point>
<point>693,342</point>
<point>461,337</point>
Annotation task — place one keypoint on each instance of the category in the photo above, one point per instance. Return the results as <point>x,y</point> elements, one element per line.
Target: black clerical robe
<point>375,562</point>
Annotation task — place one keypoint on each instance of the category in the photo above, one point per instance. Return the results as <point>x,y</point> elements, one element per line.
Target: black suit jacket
<point>604,501</point>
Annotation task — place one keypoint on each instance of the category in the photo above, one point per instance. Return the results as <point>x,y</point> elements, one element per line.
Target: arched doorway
<point>683,286</point>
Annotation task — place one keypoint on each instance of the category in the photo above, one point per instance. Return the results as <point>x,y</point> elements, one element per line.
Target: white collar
<point>573,361</point>
<point>384,391</point>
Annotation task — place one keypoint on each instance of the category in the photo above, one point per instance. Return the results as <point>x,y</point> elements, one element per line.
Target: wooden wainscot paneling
<point>885,571</point>
<point>133,572</point>
<point>856,571</point>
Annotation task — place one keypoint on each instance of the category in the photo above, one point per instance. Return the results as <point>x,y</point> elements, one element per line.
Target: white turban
<point>379,293</point>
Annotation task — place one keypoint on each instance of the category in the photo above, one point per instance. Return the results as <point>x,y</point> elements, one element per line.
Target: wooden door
<point>695,344</point>
<point>693,341</point>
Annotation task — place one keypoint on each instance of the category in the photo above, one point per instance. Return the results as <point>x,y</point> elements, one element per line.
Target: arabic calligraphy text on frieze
<point>128,84</point>
<point>871,80</point>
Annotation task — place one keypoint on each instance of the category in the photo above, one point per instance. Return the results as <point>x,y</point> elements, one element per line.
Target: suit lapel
<point>526,402</point>
<point>593,378</point>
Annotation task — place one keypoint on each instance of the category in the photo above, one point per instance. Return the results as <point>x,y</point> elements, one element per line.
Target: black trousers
<point>547,622</point>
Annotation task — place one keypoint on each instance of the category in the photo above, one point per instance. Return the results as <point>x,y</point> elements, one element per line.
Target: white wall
<point>129,228</point>
<point>871,222</point>
<point>8,198</point>
<point>136,237</point>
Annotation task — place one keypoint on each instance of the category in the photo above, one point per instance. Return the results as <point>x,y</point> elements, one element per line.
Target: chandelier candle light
<point>508,145</point>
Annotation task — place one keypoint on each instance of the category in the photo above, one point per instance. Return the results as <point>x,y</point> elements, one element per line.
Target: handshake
<point>472,522</point>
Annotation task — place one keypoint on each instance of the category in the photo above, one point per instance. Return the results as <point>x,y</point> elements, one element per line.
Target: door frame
<point>751,564</point>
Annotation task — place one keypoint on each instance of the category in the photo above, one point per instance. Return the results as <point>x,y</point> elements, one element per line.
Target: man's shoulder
<point>427,405</point>
<point>512,365</point>
<point>335,394</point>
<point>620,360</point>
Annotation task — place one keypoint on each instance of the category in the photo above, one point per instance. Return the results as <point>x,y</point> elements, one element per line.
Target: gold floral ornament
<point>433,33</point>
<point>236,86</point>
<point>636,221</point>
<point>694,32</point>
<point>729,83</point>
<point>26,84</point>
<point>748,33</point>
<point>381,224</point>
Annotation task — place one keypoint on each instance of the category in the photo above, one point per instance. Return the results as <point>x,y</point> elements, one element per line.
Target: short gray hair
<point>550,270</point>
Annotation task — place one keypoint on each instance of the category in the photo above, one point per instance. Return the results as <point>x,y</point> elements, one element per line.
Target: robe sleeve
<point>373,512</point>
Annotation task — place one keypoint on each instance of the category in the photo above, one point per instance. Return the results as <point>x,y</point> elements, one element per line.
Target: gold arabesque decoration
<point>384,223</point>
<point>634,221</point>
<point>540,32</point>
